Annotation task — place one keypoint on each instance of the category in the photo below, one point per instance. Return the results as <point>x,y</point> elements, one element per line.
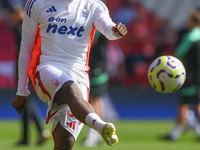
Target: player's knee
<point>71,90</point>
<point>67,88</point>
<point>64,93</point>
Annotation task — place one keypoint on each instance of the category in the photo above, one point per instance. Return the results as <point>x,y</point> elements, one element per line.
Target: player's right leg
<point>63,139</point>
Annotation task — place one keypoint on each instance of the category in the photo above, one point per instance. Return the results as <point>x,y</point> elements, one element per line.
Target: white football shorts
<point>48,81</point>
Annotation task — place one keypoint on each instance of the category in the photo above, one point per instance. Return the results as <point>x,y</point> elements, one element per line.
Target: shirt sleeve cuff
<point>23,92</point>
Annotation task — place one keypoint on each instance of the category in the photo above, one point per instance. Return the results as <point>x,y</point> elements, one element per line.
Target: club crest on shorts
<point>55,82</point>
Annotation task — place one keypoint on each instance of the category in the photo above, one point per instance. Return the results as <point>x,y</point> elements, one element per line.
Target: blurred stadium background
<point>153,27</point>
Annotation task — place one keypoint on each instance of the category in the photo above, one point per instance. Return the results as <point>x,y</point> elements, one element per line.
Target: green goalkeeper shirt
<point>188,51</point>
<point>187,43</point>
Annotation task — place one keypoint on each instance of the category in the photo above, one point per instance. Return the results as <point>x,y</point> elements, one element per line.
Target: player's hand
<point>19,103</point>
<point>119,30</point>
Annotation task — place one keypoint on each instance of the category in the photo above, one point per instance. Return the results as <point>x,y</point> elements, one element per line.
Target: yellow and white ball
<point>166,74</point>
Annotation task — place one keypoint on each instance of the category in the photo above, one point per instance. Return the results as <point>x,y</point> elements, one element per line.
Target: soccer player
<point>56,40</point>
<point>188,51</point>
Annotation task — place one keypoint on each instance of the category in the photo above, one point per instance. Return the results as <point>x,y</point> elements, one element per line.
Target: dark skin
<point>120,29</point>
<point>69,94</point>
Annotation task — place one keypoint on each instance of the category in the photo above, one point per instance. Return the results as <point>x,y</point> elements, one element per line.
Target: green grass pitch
<point>133,135</point>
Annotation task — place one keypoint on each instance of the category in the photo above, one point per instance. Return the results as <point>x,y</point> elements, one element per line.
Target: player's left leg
<point>97,103</point>
<point>70,94</point>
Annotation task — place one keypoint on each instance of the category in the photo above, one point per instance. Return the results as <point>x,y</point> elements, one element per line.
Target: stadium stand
<point>152,32</point>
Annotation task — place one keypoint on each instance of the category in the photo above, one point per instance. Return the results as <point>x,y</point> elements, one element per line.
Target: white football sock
<point>176,132</point>
<point>95,122</point>
<point>197,129</point>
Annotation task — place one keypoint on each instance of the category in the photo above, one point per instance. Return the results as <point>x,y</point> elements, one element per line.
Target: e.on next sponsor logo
<point>54,28</point>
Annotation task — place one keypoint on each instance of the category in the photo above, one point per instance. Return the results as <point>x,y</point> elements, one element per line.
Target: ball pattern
<point>166,74</point>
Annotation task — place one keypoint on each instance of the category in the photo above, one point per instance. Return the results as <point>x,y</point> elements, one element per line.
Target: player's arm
<point>184,47</point>
<point>105,25</point>
<point>29,31</point>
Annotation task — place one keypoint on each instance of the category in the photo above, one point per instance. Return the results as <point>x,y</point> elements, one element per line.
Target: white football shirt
<point>60,33</point>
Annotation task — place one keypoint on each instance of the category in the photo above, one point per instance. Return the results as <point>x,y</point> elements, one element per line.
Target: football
<point>166,74</point>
